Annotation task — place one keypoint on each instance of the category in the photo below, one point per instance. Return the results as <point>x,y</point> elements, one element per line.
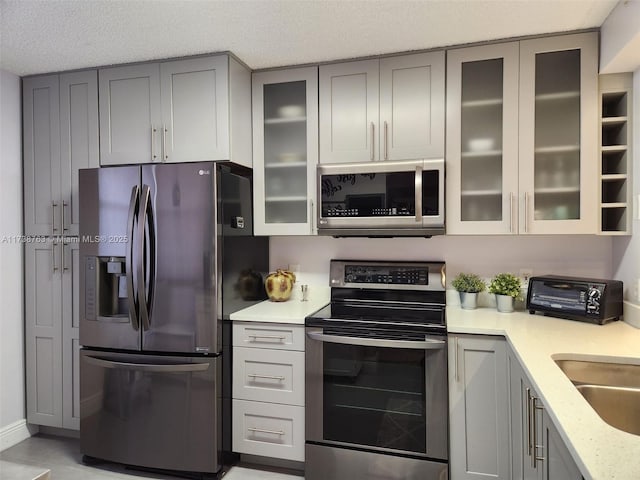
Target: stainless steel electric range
<point>376,374</point>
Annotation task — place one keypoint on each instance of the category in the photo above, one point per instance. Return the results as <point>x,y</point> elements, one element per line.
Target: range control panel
<point>387,275</point>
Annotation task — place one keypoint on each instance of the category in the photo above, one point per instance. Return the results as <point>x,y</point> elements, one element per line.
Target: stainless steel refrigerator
<point>167,253</point>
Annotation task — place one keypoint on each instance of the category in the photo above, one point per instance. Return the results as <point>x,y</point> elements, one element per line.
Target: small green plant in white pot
<point>506,288</point>
<point>468,285</point>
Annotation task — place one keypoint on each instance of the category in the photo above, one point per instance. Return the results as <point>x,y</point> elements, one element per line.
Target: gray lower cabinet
<point>479,406</point>
<point>538,451</point>
<point>268,390</point>
<point>60,136</point>
<point>51,333</point>
<point>176,111</point>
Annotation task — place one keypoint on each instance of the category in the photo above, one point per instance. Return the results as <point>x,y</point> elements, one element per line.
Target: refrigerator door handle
<point>145,367</point>
<point>131,287</point>
<point>142,258</point>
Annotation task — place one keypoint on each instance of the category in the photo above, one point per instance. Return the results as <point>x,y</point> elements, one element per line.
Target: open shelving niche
<point>615,183</point>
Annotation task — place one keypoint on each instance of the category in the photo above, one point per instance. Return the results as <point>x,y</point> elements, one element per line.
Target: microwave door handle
<point>419,194</point>
<point>427,344</point>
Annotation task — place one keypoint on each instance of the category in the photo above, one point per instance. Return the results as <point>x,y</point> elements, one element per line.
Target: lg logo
<point>204,172</point>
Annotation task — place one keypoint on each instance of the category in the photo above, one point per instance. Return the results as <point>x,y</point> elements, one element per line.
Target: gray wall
<point>12,399</point>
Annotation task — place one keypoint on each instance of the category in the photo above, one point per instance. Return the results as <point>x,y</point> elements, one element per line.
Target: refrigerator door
<point>179,299</point>
<point>109,204</point>
<point>150,411</point>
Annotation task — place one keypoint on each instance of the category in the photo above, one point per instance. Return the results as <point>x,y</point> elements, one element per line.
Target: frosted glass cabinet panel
<point>482,148</point>
<point>522,137</point>
<point>559,134</point>
<point>285,150</point>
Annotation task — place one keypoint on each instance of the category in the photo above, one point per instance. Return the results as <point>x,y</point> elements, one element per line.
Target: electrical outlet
<point>526,274</point>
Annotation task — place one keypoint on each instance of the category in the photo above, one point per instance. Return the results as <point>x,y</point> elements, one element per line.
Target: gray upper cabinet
<point>60,136</point>
<point>51,334</point>
<point>479,408</point>
<point>382,109</point>
<point>285,151</point>
<point>482,139</point>
<point>130,114</point>
<point>178,111</point>
<point>522,137</point>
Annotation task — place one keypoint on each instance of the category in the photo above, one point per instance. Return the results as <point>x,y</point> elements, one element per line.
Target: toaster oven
<point>575,298</point>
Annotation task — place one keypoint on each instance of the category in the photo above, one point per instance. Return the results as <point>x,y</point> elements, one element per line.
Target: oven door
<point>379,394</point>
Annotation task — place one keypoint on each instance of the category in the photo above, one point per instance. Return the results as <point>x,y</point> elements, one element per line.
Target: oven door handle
<point>427,344</point>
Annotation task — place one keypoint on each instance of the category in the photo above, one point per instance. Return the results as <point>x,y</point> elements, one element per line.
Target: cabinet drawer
<point>279,336</point>
<point>267,375</point>
<point>268,430</point>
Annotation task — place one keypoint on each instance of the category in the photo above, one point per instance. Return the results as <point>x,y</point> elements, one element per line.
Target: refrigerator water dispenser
<point>106,289</point>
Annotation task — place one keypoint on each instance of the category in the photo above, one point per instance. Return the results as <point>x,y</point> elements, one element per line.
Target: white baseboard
<point>15,432</point>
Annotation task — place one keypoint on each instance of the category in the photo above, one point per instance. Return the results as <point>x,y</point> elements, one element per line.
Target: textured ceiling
<point>38,36</point>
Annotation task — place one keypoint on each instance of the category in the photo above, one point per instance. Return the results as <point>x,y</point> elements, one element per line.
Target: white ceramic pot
<point>504,303</point>
<point>468,300</point>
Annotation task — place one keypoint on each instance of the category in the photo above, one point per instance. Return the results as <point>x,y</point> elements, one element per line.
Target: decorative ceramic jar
<point>279,285</point>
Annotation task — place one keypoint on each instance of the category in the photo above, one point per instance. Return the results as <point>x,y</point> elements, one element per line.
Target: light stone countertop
<point>291,311</point>
<point>601,451</point>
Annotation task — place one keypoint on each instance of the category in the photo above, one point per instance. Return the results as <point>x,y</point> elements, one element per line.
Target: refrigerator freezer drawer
<point>150,411</point>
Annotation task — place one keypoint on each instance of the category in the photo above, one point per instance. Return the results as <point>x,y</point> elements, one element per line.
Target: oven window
<point>375,396</point>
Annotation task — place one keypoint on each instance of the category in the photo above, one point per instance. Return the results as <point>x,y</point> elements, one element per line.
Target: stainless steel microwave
<point>388,199</point>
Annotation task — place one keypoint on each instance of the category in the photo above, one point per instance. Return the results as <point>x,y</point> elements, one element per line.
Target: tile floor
<point>62,456</point>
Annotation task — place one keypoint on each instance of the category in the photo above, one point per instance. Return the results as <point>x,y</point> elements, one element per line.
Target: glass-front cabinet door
<point>559,134</point>
<point>285,150</point>
<point>482,139</point>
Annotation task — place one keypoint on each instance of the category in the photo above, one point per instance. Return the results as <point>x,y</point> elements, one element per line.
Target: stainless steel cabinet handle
<point>145,367</point>
<point>528,421</point>
<point>534,442</point>
<point>268,337</point>
<point>54,229</point>
<point>268,377</point>
<point>510,212</point>
<point>64,225</point>
<point>153,143</point>
<point>64,263</point>
<point>526,212</point>
<point>386,141</point>
<point>455,359</point>
<point>373,133</point>
<point>427,344</point>
<point>53,257</point>
<point>311,222</point>
<point>164,142</point>
<point>260,430</point>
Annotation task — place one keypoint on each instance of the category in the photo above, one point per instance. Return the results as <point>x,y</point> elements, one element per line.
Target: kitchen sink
<point>612,390</point>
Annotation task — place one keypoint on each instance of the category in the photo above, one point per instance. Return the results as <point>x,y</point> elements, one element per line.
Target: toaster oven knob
<point>593,301</point>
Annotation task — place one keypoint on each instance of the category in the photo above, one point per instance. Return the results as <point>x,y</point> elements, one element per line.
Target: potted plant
<point>468,285</point>
<point>506,288</point>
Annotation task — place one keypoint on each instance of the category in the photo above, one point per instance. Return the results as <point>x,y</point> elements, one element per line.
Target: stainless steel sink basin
<point>612,389</point>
